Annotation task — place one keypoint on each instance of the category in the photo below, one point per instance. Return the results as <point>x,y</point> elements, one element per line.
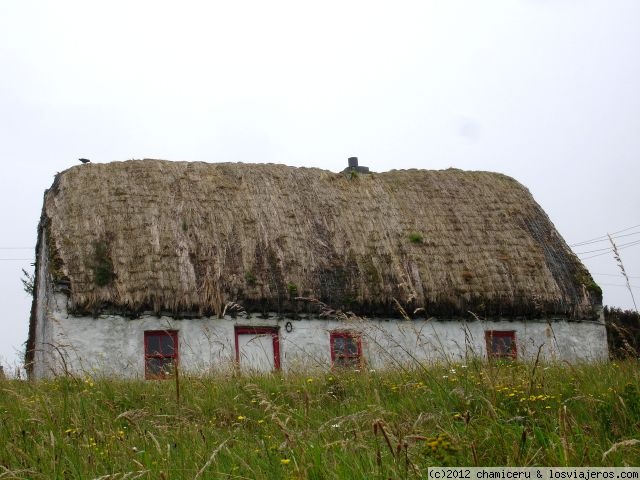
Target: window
<point>501,343</point>
<point>160,353</point>
<point>346,349</point>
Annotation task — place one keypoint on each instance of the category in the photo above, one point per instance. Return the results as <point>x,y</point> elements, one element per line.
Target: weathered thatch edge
<point>281,301</point>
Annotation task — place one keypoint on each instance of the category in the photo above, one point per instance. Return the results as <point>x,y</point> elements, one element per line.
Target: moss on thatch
<point>190,237</point>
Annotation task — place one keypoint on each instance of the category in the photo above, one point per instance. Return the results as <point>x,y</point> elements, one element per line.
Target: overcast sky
<point>546,91</point>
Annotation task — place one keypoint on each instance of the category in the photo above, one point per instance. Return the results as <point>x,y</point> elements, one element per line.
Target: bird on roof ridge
<point>84,160</point>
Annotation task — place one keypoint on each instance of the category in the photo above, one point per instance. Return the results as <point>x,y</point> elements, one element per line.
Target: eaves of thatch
<point>180,238</point>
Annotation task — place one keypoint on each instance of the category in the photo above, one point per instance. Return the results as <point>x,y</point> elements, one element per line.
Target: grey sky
<point>545,91</point>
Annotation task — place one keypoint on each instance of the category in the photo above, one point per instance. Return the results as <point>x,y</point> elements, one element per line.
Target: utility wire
<point>635,242</point>
<point>609,251</point>
<point>615,275</point>
<point>617,285</point>
<point>602,237</point>
<point>582,244</point>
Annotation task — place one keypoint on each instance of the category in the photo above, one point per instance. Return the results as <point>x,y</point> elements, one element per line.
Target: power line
<point>617,285</point>
<point>602,237</point>
<point>16,248</point>
<point>622,245</point>
<point>609,251</point>
<point>615,275</point>
<point>582,244</point>
<point>15,259</point>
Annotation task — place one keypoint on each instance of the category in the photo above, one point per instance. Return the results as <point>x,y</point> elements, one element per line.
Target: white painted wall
<point>114,346</point>
<point>45,305</point>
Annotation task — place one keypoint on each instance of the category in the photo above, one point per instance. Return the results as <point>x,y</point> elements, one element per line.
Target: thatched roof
<point>184,237</point>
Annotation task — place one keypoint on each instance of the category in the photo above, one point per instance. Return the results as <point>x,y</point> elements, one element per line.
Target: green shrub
<point>415,237</point>
<point>292,288</point>
<point>250,279</point>
<point>103,273</point>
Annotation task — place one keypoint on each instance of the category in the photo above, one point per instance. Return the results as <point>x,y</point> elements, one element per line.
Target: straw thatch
<point>183,237</point>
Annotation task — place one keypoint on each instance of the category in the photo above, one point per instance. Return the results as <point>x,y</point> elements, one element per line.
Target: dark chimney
<point>354,168</point>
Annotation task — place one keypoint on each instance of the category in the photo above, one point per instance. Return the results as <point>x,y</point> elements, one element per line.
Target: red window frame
<point>335,355</point>
<point>273,331</point>
<point>173,334</point>
<point>492,353</point>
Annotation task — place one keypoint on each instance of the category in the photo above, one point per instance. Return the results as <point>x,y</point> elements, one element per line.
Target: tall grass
<point>618,259</point>
<point>336,425</point>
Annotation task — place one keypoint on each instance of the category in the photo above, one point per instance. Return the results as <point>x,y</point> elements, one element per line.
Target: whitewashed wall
<point>113,345</point>
<point>45,301</point>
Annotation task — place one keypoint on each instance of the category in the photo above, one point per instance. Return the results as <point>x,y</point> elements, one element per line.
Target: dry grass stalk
<point>134,475</point>
<point>565,431</point>
<point>618,259</point>
<point>378,426</point>
<point>275,412</point>
<point>15,474</point>
<point>625,443</point>
<point>211,459</point>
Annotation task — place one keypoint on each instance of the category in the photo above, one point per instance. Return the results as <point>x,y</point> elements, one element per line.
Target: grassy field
<point>334,425</point>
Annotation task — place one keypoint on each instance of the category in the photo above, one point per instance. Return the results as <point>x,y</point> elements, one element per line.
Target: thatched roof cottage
<point>145,265</point>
